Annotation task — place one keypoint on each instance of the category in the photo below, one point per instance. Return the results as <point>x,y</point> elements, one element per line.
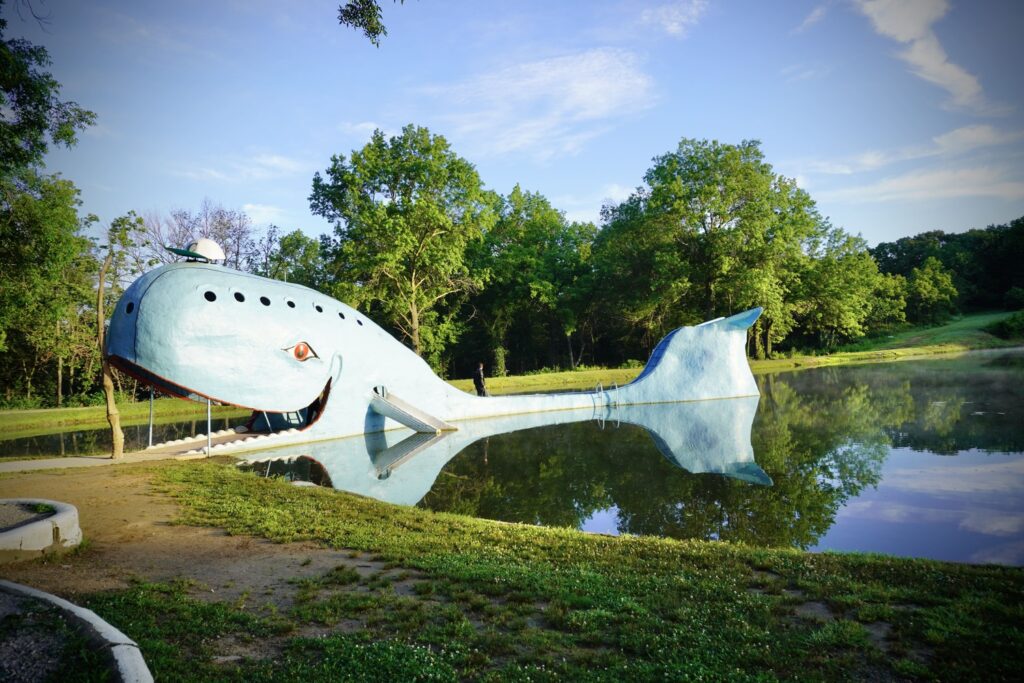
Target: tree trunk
<point>60,379</point>
<point>113,416</point>
<point>709,299</point>
<point>414,318</point>
<point>768,339</point>
<point>572,359</point>
<point>499,369</point>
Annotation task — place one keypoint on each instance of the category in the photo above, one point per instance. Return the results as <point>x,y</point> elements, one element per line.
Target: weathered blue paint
<point>207,331</point>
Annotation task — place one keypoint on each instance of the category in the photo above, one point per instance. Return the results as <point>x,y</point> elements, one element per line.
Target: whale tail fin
<point>701,362</point>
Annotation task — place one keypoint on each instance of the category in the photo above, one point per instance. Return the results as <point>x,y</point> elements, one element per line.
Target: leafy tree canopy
<point>31,112</point>
<point>365,16</point>
<point>405,209</point>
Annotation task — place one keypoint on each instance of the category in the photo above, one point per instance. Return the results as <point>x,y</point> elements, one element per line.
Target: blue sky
<point>897,117</point>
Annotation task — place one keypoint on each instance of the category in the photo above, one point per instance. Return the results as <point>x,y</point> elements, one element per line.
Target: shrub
<point>1008,328</point>
<point>1014,298</point>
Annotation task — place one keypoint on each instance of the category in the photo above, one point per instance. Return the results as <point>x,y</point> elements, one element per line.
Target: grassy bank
<point>461,598</point>
<point>964,334</point>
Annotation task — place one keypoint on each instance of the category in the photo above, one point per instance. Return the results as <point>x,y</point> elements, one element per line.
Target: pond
<point>917,458</point>
<point>74,441</point>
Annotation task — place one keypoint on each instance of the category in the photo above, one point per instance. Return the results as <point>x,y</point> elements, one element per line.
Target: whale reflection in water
<point>400,466</point>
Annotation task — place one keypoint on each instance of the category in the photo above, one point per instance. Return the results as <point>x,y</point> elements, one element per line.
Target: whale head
<point>197,330</point>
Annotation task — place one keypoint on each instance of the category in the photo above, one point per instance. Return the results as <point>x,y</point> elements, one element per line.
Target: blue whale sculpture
<point>312,368</point>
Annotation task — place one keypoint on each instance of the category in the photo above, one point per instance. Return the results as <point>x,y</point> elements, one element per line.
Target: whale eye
<point>302,352</point>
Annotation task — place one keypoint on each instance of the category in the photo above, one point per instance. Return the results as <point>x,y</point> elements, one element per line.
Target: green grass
<point>495,601</point>
<point>964,333</point>
<point>25,423</point>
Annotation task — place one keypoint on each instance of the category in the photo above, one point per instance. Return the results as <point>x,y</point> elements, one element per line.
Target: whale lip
<point>166,386</point>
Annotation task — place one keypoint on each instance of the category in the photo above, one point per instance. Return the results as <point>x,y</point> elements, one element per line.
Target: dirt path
<point>127,526</point>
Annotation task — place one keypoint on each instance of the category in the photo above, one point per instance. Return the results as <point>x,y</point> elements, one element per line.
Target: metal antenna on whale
<point>312,368</point>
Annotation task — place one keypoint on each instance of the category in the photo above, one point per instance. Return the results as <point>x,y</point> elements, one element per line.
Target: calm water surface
<point>917,458</point>
<point>93,441</point>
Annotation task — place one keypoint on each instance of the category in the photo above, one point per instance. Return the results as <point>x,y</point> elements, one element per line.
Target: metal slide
<point>389,405</point>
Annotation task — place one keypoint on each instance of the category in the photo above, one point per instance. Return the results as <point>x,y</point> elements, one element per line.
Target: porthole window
<point>319,308</point>
<point>210,296</point>
<point>239,297</point>
<point>130,307</point>
<point>360,322</point>
<point>265,301</point>
<point>291,304</point>
<point>341,315</point>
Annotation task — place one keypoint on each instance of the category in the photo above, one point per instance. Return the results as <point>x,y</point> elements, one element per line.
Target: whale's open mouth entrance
<point>264,422</point>
<point>261,421</point>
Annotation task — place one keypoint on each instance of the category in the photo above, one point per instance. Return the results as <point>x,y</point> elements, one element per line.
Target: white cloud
<point>910,22</point>
<point>945,183</point>
<point>275,164</point>
<point>675,18</point>
<point>547,107</point>
<point>121,28</point>
<point>979,520</point>
<point>973,137</point>
<point>816,15</point>
<point>262,214</point>
<point>587,208</point>
<point>959,141</point>
<point>364,129</point>
<point>998,477</point>
<point>1008,553</point>
<point>245,169</point>
<point>802,72</point>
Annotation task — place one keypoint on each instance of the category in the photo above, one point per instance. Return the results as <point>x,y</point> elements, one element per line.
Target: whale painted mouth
<point>301,418</point>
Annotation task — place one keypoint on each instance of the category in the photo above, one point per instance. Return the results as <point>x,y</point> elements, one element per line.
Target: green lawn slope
<point>507,602</point>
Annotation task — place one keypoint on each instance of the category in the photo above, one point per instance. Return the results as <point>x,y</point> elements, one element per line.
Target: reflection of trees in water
<point>91,441</point>
<point>973,402</point>
<point>821,435</point>
<point>560,476</point>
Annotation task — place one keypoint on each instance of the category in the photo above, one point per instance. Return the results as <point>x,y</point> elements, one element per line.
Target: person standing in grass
<point>478,380</point>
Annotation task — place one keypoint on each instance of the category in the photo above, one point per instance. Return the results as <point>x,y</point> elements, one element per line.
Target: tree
<point>119,242</point>
<point>292,258</point>
<point>405,209</point>
<point>533,258</point>
<point>710,196</point>
<point>714,231</point>
<point>365,16</point>
<point>42,256</point>
<point>32,113</point>
<point>931,295</point>
<point>639,277</point>
<point>230,228</point>
<point>837,287</point>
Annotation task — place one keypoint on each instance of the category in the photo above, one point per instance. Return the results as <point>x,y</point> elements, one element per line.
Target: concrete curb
<point>131,667</point>
<point>57,532</point>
